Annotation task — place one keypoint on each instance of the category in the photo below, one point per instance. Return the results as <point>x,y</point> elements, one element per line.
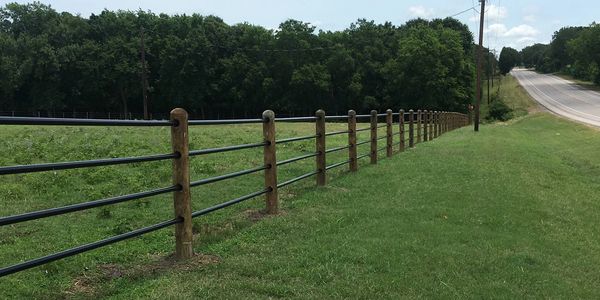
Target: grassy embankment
<point>510,212</point>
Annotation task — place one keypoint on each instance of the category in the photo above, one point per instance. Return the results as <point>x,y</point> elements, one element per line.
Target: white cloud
<point>420,11</point>
<point>525,40</point>
<point>522,30</point>
<point>529,18</point>
<point>493,13</point>
<point>496,29</point>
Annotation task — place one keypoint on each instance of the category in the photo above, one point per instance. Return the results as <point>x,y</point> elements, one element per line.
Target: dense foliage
<point>508,59</point>
<point>573,50</point>
<point>53,62</point>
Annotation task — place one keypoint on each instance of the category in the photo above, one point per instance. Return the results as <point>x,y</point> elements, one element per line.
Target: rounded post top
<point>373,113</point>
<point>178,113</point>
<point>389,111</point>
<point>402,111</point>
<point>351,113</point>
<point>410,111</point>
<point>425,111</point>
<point>268,115</point>
<point>418,110</point>
<point>320,113</point>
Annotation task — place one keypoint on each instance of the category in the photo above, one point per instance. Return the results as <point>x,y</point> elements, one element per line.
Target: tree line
<point>59,62</point>
<point>573,50</point>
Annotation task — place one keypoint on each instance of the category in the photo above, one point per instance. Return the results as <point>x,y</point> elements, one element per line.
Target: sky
<point>510,23</point>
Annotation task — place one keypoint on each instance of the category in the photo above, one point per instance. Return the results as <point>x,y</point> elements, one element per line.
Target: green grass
<point>511,93</point>
<point>509,212</point>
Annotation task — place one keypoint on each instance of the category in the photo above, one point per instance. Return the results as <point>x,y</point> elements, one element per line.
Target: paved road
<point>561,96</point>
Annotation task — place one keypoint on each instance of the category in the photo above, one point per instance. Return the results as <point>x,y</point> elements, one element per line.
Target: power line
<point>462,12</point>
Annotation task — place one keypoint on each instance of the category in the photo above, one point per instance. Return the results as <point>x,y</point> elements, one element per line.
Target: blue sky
<point>509,22</point>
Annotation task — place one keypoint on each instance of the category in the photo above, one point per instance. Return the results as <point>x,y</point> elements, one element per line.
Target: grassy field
<point>509,212</point>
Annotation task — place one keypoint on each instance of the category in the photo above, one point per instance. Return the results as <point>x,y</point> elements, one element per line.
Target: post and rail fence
<point>429,125</point>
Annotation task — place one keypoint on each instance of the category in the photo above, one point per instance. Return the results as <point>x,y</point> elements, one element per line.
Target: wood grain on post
<point>320,143</point>
<point>373,137</point>
<point>352,151</point>
<point>182,201</point>
<point>270,160</point>
<point>402,135</point>
<point>425,125</point>
<point>411,128</point>
<point>419,119</point>
<point>389,132</point>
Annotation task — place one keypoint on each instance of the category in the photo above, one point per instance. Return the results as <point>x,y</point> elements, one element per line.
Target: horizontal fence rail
<point>422,126</point>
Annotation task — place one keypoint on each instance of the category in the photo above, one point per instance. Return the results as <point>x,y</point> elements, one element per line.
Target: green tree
<point>509,58</point>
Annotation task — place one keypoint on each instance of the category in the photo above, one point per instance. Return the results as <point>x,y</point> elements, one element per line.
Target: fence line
<point>429,125</point>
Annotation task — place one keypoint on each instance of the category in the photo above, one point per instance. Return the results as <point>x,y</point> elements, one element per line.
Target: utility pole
<point>487,73</point>
<point>144,79</point>
<point>479,61</point>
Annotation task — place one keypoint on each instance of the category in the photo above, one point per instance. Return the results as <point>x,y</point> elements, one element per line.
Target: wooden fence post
<point>320,143</point>
<point>425,125</point>
<point>439,123</point>
<point>435,123</point>
<point>182,201</point>
<point>390,134</point>
<point>402,135</point>
<point>373,137</point>
<point>431,124</point>
<point>419,119</point>
<point>352,140</point>
<point>411,128</point>
<point>270,159</point>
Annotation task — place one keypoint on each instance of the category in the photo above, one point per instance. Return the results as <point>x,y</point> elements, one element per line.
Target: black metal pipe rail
<point>381,126</point>
<point>279,185</point>
<point>337,149</point>
<point>224,122</point>
<point>83,206</point>
<point>363,129</point>
<point>337,132</point>
<point>363,142</point>
<point>80,122</point>
<point>227,176</point>
<point>336,117</point>
<point>363,156</point>
<point>84,248</point>
<point>291,160</point>
<point>337,164</point>
<point>226,149</point>
<point>295,119</point>
<point>381,138</point>
<point>229,203</point>
<point>294,139</point>
<point>363,116</point>
<point>83,164</point>
<point>382,115</point>
<point>381,149</point>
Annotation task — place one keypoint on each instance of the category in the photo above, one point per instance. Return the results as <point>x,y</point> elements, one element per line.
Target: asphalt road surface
<point>561,96</point>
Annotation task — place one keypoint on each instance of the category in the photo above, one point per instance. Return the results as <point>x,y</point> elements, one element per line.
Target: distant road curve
<point>561,96</point>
